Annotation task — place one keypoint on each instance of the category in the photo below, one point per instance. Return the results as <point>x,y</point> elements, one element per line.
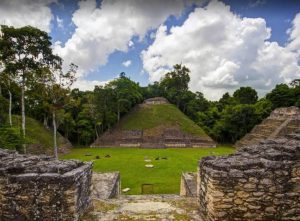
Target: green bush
<point>3,110</point>
<point>10,138</point>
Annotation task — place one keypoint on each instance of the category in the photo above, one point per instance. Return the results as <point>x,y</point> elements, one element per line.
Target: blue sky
<point>248,44</point>
<point>278,16</point>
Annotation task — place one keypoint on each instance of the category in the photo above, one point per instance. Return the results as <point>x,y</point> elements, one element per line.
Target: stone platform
<point>145,208</point>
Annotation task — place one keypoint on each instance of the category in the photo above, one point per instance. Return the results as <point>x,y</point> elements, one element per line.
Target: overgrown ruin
<point>161,137</point>
<point>281,122</point>
<point>42,188</point>
<point>259,182</point>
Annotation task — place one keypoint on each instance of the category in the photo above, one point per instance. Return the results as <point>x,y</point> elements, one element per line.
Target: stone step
<point>294,136</point>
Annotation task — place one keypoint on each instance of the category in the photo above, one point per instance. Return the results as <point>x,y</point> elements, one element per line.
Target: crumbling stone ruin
<point>259,182</point>
<point>281,122</point>
<point>42,188</point>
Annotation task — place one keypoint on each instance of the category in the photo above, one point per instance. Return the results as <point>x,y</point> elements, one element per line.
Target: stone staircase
<point>281,122</point>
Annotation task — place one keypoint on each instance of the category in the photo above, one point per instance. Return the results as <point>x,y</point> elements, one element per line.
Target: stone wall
<point>170,137</point>
<point>259,182</point>
<point>156,100</point>
<point>42,188</point>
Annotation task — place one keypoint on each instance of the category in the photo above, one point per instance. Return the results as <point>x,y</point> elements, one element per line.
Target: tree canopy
<point>32,79</point>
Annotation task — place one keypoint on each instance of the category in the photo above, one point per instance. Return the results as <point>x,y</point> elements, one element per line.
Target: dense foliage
<point>230,118</point>
<point>35,82</point>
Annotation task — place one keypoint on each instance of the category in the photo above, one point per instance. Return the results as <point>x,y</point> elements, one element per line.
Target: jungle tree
<point>24,51</point>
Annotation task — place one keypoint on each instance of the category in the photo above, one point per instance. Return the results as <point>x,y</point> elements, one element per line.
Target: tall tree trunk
<point>23,112</point>
<point>118,112</point>
<point>10,105</point>
<point>45,121</point>
<point>96,131</point>
<point>54,135</point>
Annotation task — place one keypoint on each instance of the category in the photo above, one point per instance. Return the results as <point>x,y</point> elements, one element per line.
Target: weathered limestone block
<point>259,182</point>
<point>42,188</point>
<point>188,184</point>
<point>106,185</point>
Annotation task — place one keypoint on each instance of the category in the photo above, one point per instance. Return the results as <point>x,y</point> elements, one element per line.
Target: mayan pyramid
<point>155,124</point>
<point>282,121</point>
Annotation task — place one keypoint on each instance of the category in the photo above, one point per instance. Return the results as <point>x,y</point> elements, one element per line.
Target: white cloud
<point>294,33</point>
<point>130,43</point>
<point>27,12</point>
<point>101,31</point>
<point>126,63</point>
<point>57,43</point>
<point>60,22</point>
<point>253,4</point>
<point>223,52</point>
<point>87,85</point>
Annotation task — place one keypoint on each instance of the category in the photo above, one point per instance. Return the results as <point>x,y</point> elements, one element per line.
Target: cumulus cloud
<point>101,31</point>
<point>294,32</point>
<point>126,63</point>
<point>27,12</point>
<point>87,85</point>
<point>223,52</point>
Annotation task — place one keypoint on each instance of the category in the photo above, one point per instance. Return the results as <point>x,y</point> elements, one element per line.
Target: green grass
<point>36,133</point>
<point>130,162</point>
<point>148,117</point>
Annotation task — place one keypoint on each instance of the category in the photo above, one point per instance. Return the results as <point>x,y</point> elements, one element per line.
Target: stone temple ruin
<point>282,121</point>
<point>41,188</point>
<point>167,137</point>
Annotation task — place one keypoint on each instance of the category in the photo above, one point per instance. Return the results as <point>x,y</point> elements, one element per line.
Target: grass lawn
<point>130,162</point>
